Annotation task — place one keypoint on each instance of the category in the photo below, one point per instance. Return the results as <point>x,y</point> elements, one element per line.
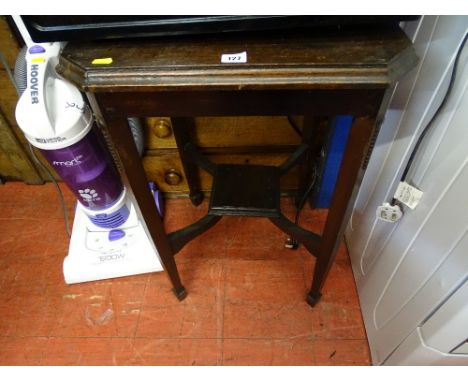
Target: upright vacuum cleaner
<point>108,238</point>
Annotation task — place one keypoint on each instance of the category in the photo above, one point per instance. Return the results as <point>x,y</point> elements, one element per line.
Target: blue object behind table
<point>334,151</point>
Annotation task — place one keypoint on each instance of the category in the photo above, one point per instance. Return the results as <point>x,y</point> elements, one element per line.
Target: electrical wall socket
<point>389,213</point>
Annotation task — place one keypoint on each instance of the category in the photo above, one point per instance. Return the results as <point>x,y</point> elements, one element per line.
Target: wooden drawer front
<point>225,132</point>
<point>166,168</point>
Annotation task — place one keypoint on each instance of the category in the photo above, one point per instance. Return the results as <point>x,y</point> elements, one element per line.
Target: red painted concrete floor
<point>245,303</point>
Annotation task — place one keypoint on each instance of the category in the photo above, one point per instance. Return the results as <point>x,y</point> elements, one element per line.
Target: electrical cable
<point>309,189</point>
<point>435,115</point>
<point>57,187</point>
<point>291,242</point>
<point>47,171</point>
<point>294,126</point>
<point>10,75</point>
<point>306,195</point>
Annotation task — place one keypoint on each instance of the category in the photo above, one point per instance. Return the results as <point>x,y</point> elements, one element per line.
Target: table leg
<point>130,162</point>
<point>311,135</point>
<point>184,129</point>
<point>347,186</point>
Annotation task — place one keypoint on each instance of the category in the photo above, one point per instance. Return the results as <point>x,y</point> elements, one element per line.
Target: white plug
<point>389,213</point>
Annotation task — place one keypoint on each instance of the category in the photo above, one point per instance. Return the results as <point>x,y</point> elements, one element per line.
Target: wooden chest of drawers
<point>237,140</point>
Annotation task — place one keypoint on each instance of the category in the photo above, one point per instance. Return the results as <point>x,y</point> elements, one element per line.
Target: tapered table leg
<point>346,189</point>
<point>183,129</point>
<point>132,167</point>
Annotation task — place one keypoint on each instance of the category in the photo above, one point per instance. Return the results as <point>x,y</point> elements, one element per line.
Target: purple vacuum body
<point>55,119</point>
<point>88,170</point>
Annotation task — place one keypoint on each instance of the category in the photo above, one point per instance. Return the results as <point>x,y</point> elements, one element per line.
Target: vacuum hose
<point>20,74</point>
<point>137,133</point>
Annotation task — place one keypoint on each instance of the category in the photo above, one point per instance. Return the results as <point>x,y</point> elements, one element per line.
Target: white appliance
<point>441,339</point>
<point>412,275</point>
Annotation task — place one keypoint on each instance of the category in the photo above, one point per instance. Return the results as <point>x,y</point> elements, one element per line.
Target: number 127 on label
<point>234,58</point>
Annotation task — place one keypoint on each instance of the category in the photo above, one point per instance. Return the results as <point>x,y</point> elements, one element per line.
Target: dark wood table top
<point>346,59</point>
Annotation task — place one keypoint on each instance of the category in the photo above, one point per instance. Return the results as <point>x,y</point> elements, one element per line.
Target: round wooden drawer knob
<point>162,128</point>
<point>172,177</point>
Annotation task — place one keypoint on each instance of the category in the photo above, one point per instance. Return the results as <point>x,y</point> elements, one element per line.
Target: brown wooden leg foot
<point>196,198</point>
<point>180,293</point>
<point>313,298</point>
